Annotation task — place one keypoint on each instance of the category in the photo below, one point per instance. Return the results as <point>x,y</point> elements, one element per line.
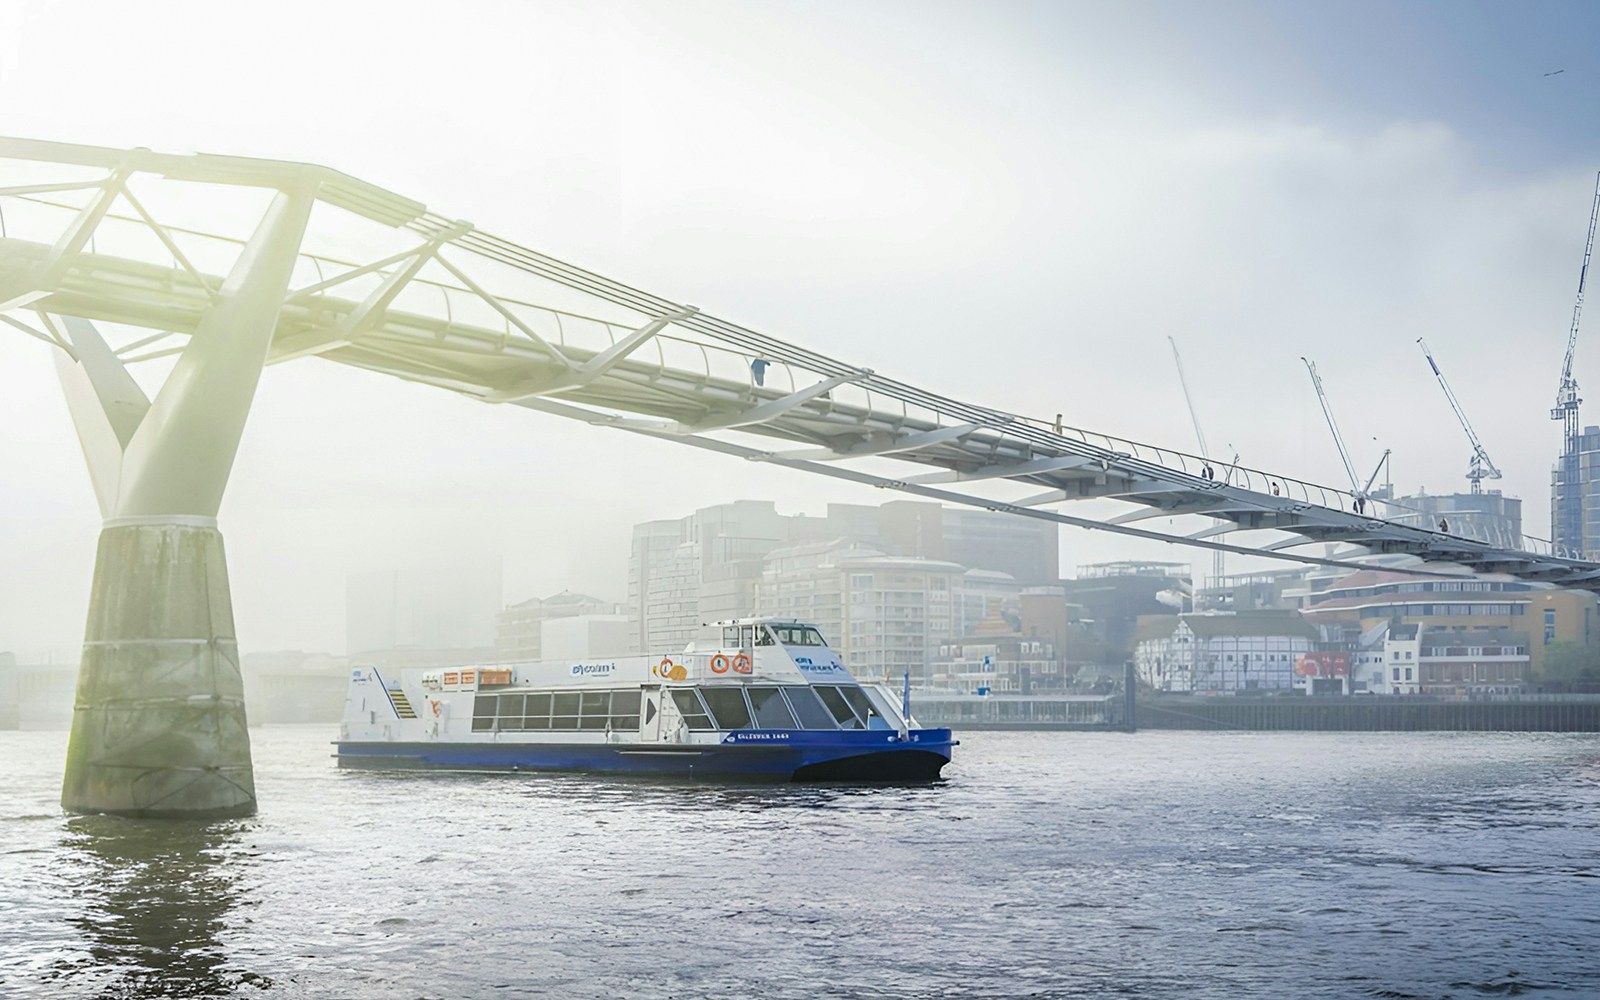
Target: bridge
<point>227,264</point>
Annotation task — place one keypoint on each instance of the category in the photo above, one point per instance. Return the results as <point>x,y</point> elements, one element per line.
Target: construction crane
<point>1480,467</point>
<point>1567,526</point>
<point>1360,492</point>
<point>1218,564</point>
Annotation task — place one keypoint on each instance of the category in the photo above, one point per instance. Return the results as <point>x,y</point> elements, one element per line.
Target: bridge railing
<point>720,358</point>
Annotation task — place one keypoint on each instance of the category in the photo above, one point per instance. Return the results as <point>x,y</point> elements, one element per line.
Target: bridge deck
<point>414,301</point>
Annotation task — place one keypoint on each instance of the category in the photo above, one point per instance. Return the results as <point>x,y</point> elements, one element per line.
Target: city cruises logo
<point>806,663</point>
<point>592,669</point>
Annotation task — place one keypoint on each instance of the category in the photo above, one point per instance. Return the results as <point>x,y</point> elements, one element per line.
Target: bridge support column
<point>158,727</point>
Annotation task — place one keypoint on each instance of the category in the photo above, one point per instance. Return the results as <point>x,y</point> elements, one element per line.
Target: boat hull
<point>768,755</point>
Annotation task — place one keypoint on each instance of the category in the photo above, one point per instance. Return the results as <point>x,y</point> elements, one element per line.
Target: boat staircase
<point>402,704</point>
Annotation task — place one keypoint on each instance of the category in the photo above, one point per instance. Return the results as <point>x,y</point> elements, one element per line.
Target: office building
<point>1461,603</point>
<point>520,628</point>
<point>705,567</point>
<point>1575,497</point>
<point>886,614</point>
<point>1490,516</point>
<point>697,569</point>
<point>1113,596</point>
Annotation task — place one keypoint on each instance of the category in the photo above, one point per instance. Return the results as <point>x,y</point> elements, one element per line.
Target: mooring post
<point>1130,699</point>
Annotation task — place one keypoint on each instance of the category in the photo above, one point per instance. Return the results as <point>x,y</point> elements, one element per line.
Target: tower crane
<point>1480,467</point>
<point>1218,564</point>
<point>1567,512</point>
<point>1360,492</point>
<point>1199,434</point>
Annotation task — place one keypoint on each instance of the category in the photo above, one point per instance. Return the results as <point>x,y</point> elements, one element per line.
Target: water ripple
<point>1184,865</point>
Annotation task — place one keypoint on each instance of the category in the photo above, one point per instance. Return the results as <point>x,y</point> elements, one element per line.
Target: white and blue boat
<point>753,698</point>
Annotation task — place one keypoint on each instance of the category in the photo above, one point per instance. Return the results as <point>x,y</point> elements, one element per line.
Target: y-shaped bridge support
<point>159,723</point>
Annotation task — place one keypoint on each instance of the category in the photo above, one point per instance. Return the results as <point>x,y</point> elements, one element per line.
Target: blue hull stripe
<point>773,754</point>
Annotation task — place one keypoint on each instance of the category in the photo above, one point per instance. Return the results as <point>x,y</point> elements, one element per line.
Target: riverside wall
<point>1573,714</point>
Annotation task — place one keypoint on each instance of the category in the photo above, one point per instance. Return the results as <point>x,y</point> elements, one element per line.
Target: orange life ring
<point>436,708</point>
<point>741,664</point>
<point>720,664</point>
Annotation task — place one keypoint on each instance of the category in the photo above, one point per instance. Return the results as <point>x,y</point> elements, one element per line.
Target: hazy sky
<point>1012,203</point>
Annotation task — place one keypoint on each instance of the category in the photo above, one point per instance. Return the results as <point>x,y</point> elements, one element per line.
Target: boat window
<point>798,635</point>
<point>694,713</point>
<point>771,711</point>
<point>510,704</point>
<point>596,709</point>
<point>592,710</point>
<point>809,709</point>
<point>625,710</point>
<point>888,711</point>
<point>842,712</point>
<point>564,710</point>
<point>510,712</point>
<point>483,707</point>
<point>858,701</point>
<point>763,637</point>
<point>727,707</point>
<point>747,637</point>
<point>730,636</point>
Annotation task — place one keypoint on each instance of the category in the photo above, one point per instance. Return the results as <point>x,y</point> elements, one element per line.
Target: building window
<point>1408,673</point>
<point>1396,673</point>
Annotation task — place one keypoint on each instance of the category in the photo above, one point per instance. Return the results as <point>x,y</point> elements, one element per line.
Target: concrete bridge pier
<point>158,727</point>
<point>159,723</point>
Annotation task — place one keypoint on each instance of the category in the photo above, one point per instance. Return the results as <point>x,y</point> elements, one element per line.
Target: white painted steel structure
<point>322,264</point>
<point>571,342</point>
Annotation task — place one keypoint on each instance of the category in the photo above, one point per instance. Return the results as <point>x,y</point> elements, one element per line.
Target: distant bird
<point>1556,72</point>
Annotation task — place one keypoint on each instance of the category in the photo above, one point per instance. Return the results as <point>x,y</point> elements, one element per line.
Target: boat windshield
<point>798,635</point>
<point>793,706</point>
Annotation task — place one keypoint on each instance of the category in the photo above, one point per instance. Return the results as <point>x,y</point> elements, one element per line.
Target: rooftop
<point>566,597</point>
<point>1151,627</point>
<point>1251,623</point>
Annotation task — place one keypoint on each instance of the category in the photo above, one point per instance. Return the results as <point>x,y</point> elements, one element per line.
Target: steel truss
<point>416,303</point>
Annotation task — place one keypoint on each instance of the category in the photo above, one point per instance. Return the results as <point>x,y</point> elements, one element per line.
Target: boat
<point>752,698</point>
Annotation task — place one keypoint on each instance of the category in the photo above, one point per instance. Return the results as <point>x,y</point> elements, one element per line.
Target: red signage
<point>1326,664</point>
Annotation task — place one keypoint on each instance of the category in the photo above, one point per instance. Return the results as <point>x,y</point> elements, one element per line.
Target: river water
<point>1161,864</point>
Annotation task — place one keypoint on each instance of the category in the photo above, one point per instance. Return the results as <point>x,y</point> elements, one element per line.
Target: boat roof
<point>755,620</point>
